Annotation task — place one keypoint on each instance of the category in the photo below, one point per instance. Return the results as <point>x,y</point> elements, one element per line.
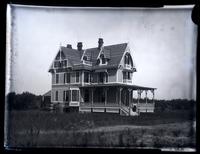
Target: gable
<point>113,53</point>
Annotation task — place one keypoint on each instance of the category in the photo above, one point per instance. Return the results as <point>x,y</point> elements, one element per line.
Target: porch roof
<point>133,87</point>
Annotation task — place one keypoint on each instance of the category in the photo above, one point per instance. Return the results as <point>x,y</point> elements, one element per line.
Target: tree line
<point>27,100</point>
<point>23,101</point>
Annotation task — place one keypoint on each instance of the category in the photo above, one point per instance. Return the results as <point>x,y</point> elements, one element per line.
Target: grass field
<point>44,129</point>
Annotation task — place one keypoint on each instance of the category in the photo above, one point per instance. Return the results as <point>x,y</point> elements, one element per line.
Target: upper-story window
<point>103,77</point>
<point>77,76</point>
<point>56,97</point>
<point>86,77</point>
<point>128,60</point>
<point>127,75</point>
<point>57,78</point>
<point>68,77</point>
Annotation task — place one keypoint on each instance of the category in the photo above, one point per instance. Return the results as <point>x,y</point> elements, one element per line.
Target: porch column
<point>92,93</point>
<point>146,95</point>
<point>139,95</point>
<point>153,95</point>
<point>106,96</point>
<point>81,95</point>
<point>129,101</point>
<point>120,93</point>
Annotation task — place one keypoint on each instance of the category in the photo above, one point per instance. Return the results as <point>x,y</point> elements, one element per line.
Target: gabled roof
<point>113,52</point>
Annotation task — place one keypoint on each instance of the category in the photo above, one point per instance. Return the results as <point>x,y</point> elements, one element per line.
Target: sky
<point>162,43</point>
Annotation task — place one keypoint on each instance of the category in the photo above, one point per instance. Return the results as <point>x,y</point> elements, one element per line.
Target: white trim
<point>100,52</point>
<point>83,54</point>
<point>58,101</point>
<point>117,75</point>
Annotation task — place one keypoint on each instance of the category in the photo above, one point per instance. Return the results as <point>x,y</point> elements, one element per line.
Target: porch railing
<point>98,104</point>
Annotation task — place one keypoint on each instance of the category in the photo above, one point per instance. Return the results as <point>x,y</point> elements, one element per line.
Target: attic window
<point>102,59</point>
<point>57,64</point>
<point>64,63</point>
<point>85,58</point>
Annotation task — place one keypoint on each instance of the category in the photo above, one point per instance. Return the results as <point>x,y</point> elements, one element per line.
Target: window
<point>57,64</point>
<point>128,60</point>
<point>64,77</point>
<point>75,95</point>
<point>124,75</point>
<point>86,77</point>
<point>103,60</point>
<point>85,58</point>
<point>86,96</point>
<point>106,77</point>
<point>56,96</point>
<point>57,78</point>
<point>66,95</point>
<point>77,76</point>
<point>101,76</point>
<point>64,63</point>
<point>129,75</point>
<point>68,77</point>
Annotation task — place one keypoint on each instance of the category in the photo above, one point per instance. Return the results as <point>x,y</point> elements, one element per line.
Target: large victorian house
<point>97,79</point>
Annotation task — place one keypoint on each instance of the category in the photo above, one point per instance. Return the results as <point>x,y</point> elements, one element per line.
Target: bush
<point>23,101</point>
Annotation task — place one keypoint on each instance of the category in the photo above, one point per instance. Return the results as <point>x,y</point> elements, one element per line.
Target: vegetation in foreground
<point>31,126</point>
<point>43,129</point>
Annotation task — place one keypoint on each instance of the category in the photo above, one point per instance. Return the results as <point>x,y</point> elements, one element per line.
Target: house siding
<point>95,77</point>
<point>120,75</point>
<point>112,75</point>
<point>53,78</point>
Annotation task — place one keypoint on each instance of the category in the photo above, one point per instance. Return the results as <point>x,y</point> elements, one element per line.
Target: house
<point>98,79</point>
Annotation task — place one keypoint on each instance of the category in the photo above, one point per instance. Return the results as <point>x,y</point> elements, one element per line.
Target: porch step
<point>124,110</point>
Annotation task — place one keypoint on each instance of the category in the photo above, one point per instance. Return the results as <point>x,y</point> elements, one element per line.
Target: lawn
<point>44,129</point>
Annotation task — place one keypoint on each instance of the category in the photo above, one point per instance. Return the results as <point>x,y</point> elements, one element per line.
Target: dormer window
<point>128,61</point>
<point>102,60</point>
<point>85,58</point>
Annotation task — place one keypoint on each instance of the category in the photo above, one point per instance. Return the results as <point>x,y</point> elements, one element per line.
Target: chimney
<point>79,46</point>
<point>69,46</point>
<point>100,43</point>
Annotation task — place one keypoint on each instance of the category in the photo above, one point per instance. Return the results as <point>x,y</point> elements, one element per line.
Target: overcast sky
<point>162,42</point>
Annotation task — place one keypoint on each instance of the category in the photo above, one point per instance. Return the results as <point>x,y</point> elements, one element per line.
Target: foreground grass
<point>43,129</point>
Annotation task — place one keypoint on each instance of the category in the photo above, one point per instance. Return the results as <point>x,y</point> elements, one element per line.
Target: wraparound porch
<point>116,98</point>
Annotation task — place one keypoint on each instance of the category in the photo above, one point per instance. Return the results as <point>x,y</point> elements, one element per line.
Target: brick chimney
<point>100,43</point>
<point>69,46</point>
<point>79,46</point>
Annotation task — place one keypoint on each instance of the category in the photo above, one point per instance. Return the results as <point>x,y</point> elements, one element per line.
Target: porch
<point>116,98</point>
